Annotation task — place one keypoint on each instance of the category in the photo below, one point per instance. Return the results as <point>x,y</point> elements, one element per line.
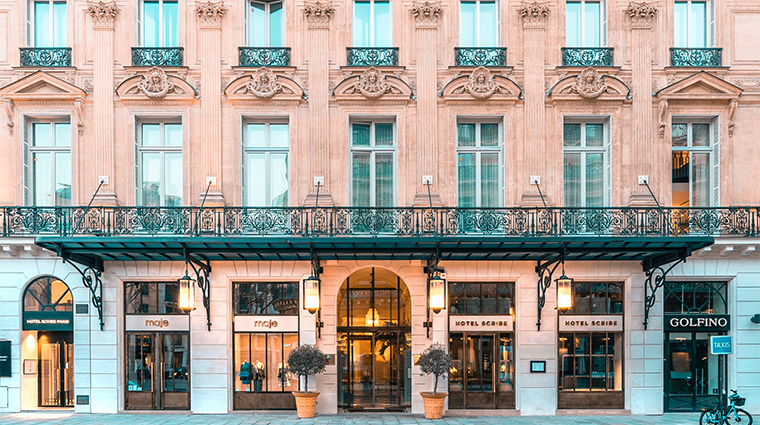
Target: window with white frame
<point>47,24</point>
<point>266,24</point>
<point>694,24</point>
<point>585,24</point>
<point>49,169</point>
<point>695,172</point>
<point>373,164</point>
<point>478,24</point>
<point>479,165</point>
<point>159,23</point>
<point>586,162</point>
<point>159,170</point>
<point>372,24</point>
<point>266,174</point>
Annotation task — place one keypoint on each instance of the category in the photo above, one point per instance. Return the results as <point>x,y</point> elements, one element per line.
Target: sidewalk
<point>65,418</point>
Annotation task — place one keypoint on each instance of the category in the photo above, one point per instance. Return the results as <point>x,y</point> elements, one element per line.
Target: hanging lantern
<point>186,299</point>
<point>437,294</point>
<point>311,294</point>
<point>564,292</point>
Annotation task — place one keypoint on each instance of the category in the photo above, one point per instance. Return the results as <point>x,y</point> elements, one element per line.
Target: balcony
<point>40,57</point>
<point>587,56</point>
<point>157,56</point>
<point>700,58</point>
<point>480,56</point>
<point>264,56</point>
<point>372,56</point>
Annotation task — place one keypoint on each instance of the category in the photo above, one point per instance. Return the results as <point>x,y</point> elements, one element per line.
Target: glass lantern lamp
<point>564,292</point>
<point>437,294</point>
<point>311,294</point>
<point>186,300</point>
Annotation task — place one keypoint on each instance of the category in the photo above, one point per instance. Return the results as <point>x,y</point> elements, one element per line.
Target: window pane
<point>60,26</point>
<point>467,25</point>
<point>384,179</point>
<point>63,179</point>
<point>489,180</point>
<point>243,368</point>
<point>383,134</point>
<point>594,135</point>
<point>42,134</point>
<point>615,300</point>
<point>171,29</point>
<point>697,25</point>
<point>573,24</point>
<point>63,134</point>
<point>700,185</point>
<point>42,24</point>
<point>256,135</point>
<point>505,299</point>
<point>466,183</point>
<point>572,180</point>
<point>276,25</point>
<point>151,134</point>
<point>472,299</point>
<point>279,179</point>
<point>680,178</point>
<point>361,24</point>
<point>594,180</point>
<point>466,135</point>
<point>488,294</point>
<point>259,375</point>
<point>582,299</point>
<point>489,135</point>
<point>456,298</point>
<point>258,25</point>
<point>168,294</point>
<point>41,169</point>
<point>255,185</point>
<point>173,179</point>
<point>679,135</point>
<point>360,180</point>
<point>700,134</point>
<point>290,341</point>
<point>150,24</point>
<point>278,135</point>
<point>488,30</point>
<point>275,366</point>
<point>680,34</point>
<point>592,24</point>
<point>173,134</point>
<point>360,134</point>
<point>572,135</point>
<point>383,30</point>
<point>151,179</point>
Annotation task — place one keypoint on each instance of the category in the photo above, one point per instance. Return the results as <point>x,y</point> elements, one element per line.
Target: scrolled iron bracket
<point>655,279</point>
<point>316,269</point>
<point>91,280</point>
<point>545,271</point>
<point>202,271</point>
<point>431,269</point>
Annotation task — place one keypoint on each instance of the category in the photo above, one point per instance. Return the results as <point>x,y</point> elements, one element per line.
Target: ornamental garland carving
<point>155,83</point>
<point>318,13</point>
<point>641,14</point>
<point>663,117</point>
<point>264,84</point>
<point>426,14</point>
<point>210,13</point>
<point>10,110</point>
<point>731,112</point>
<point>589,85</point>
<point>534,14</point>
<point>103,13</point>
<point>79,115</point>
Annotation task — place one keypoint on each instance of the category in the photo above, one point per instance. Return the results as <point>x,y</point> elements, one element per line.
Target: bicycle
<point>728,415</point>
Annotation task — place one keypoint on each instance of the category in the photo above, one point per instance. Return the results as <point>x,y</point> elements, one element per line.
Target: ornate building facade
<point>371,147</point>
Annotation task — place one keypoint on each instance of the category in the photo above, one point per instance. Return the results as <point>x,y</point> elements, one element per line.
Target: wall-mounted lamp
<point>564,291</point>
<point>186,301</point>
<point>311,294</point>
<point>755,318</point>
<point>436,292</point>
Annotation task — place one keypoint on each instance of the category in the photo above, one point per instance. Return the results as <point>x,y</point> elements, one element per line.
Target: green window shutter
<point>27,129</point>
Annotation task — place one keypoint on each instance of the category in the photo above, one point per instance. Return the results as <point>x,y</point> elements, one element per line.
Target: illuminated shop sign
<point>591,323</point>
<point>179,322</point>
<point>275,323</point>
<point>475,323</point>
<point>48,321</point>
<point>697,322</point>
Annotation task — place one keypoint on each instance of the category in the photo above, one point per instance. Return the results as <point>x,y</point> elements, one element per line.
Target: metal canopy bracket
<point>316,269</point>
<point>202,271</point>
<point>545,271</point>
<point>655,279</point>
<point>431,269</point>
<point>91,280</point>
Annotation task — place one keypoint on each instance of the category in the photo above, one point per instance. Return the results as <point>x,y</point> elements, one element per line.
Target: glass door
<point>482,376</point>
<point>55,370</point>
<point>691,372</point>
<point>158,371</point>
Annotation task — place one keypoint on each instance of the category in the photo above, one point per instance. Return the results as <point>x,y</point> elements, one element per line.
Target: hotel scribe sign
<point>502,323</point>
<point>601,323</point>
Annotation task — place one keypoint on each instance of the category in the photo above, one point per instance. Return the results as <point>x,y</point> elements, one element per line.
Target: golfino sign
<point>697,322</point>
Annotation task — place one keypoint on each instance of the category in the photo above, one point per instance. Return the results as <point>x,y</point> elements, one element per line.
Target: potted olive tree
<point>437,361</point>
<point>303,361</point>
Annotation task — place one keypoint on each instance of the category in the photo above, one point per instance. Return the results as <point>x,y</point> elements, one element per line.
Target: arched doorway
<point>48,318</point>
<point>374,341</point>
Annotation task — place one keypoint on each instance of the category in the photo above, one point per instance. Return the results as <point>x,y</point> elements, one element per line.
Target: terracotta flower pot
<point>434,404</point>
<point>306,403</point>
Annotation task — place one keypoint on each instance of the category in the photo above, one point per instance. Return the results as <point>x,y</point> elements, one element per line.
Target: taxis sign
<point>722,344</point>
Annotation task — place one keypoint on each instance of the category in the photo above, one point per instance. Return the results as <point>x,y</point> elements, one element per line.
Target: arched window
<point>47,293</point>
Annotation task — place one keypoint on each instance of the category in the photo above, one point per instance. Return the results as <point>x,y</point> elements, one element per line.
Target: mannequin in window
<point>258,375</point>
<point>245,375</point>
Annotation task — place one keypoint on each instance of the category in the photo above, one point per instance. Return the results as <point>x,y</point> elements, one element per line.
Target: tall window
<point>159,23</point>
<point>372,24</point>
<point>266,24</point>
<point>695,298</point>
<point>694,176</point>
<point>482,298</point>
<point>151,298</point>
<point>478,26</point>
<point>596,298</point>
<point>266,298</point>
<point>586,151</point>
<point>585,24</point>
<point>48,27</point>
<point>50,164</point>
<point>694,23</point>
<point>478,165</point>
<point>160,164</point>
<point>373,151</point>
<point>266,165</point>
<point>591,361</point>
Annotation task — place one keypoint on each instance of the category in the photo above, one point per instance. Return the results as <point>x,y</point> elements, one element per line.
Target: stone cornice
<point>426,14</point>
<point>642,14</point>
<point>318,13</point>
<point>210,13</point>
<point>103,13</point>
<point>534,14</point>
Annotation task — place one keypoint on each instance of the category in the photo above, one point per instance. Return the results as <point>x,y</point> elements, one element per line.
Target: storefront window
<point>591,361</point>
<point>481,298</point>
<point>151,298</point>
<point>597,298</point>
<point>695,298</point>
<point>266,298</point>
<point>261,362</point>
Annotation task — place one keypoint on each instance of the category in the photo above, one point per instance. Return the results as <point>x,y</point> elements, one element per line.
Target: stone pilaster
<point>642,16</point>
<point>534,17</point>
<point>103,16</point>
<point>426,16</point>
<point>317,16</point>
<point>210,45</point>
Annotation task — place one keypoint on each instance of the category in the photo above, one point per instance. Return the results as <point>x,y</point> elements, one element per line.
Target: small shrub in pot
<point>437,361</point>
<point>303,361</point>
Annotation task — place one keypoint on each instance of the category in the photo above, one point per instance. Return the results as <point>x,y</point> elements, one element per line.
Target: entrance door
<point>158,370</point>
<point>481,377</point>
<point>691,372</point>
<point>55,385</point>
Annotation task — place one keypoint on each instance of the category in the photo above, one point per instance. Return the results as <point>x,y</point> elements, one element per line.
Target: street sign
<point>721,345</point>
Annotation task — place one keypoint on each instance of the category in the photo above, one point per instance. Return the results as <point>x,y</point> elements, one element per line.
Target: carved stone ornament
<point>426,14</point>
<point>480,84</point>
<point>641,14</point>
<point>534,14</point>
<point>79,115</point>
<point>318,13</point>
<point>589,85</point>
<point>372,84</point>
<point>663,114</point>
<point>155,83</point>
<point>10,109</point>
<point>103,13</point>
<point>264,84</point>
<point>210,13</point>
<point>731,112</point>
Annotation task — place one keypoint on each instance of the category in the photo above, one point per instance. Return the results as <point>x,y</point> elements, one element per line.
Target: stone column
<point>210,46</point>
<point>317,16</point>
<point>103,17</point>
<point>534,17</point>
<point>426,16</point>
<point>643,139</point>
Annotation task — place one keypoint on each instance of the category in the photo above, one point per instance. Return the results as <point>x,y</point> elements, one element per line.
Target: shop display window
<point>591,361</point>
<point>695,297</point>
<point>261,362</point>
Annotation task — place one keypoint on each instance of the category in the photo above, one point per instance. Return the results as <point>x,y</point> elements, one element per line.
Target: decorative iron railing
<point>587,56</point>
<point>350,221</point>
<point>372,56</point>
<point>480,56</point>
<point>702,58</point>
<point>157,56</point>
<point>46,56</point>
<point>264,56</point>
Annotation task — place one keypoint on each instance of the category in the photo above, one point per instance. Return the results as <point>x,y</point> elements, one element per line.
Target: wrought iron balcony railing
<point>398,222</point>
<point>480,56</point>
<point>702,58</point>
<point>264,56</point>
<point>46,56</point>
<point>157,56</point>
<point>372,56</point>
<point>587,56</point>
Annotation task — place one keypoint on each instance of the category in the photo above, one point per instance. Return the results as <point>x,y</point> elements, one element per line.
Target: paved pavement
<point>341,419</point>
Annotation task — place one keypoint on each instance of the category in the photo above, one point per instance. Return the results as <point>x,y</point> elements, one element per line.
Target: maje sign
<point>139,322</point>
<point>274,323</point>
<point>477,323</point>
<point>591,323</point>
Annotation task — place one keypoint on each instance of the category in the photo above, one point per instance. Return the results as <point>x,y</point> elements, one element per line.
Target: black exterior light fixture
<point>564,291</point>
<point>436,294</point>
<point>186,299</point>
<point>311,287</point>
<point>755,319</point>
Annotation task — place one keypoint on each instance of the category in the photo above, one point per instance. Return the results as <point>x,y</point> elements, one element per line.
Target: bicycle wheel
<point>708,417</point>
<point>741,417</point>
